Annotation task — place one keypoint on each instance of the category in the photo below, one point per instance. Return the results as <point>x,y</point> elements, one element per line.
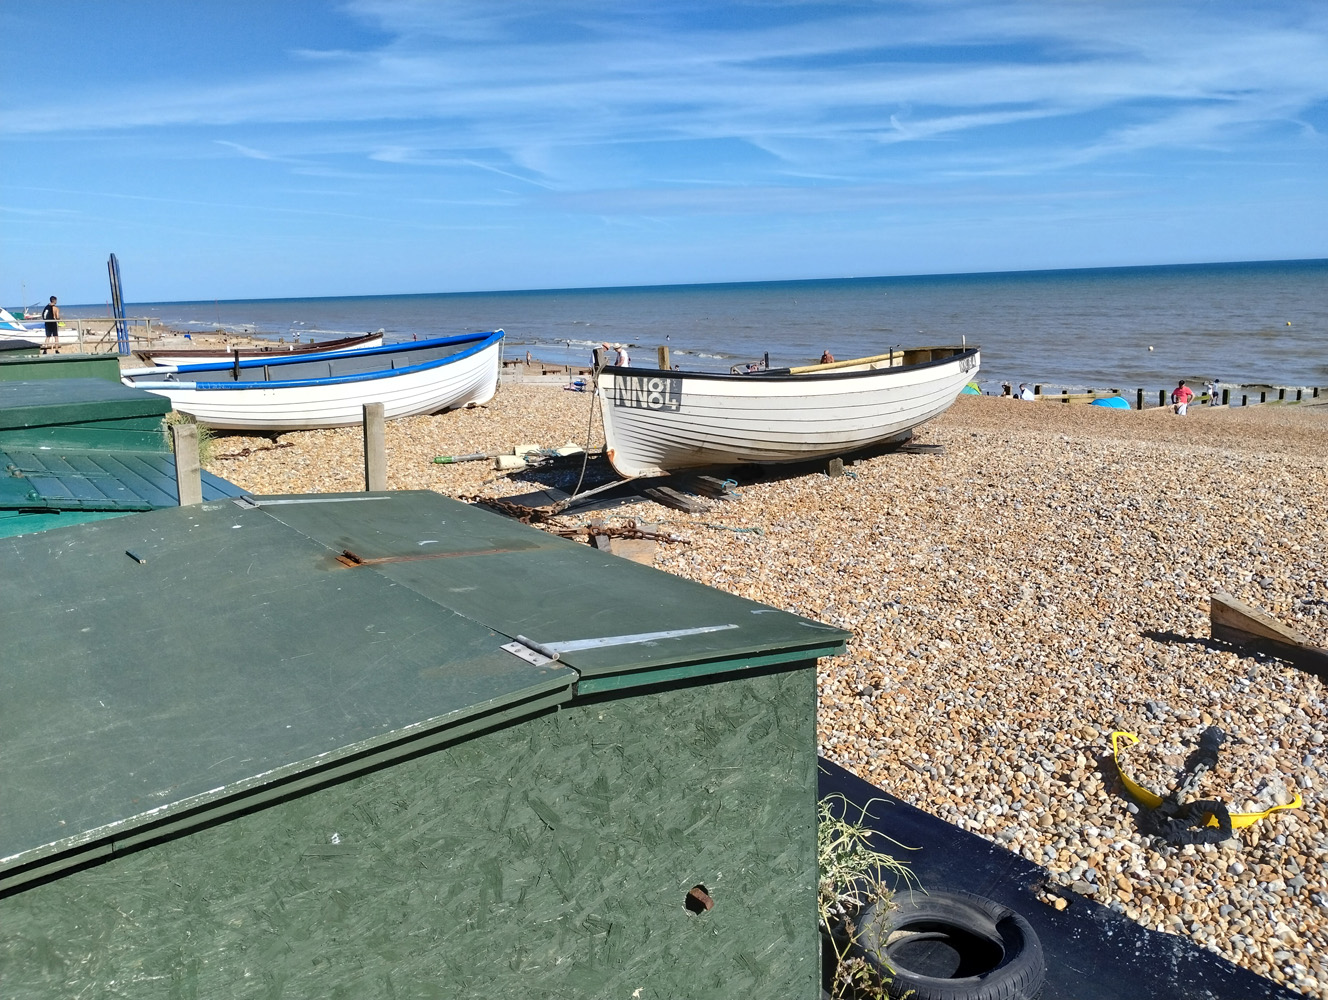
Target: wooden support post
<point>1226,397</point>
<point>835,468</point>
<point>375,447</point>
<point>1298,395</point>
<point>1244,400</point>
<point>1281,393</point>
<point>1162,397</point>
<point>664,362</point>
<point>1263,395</point>
<point>1140,405</point>
<point>1037,390</point>
<point>188,470</point>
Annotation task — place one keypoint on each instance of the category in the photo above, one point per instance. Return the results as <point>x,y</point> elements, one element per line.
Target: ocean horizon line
<point>958,276</point>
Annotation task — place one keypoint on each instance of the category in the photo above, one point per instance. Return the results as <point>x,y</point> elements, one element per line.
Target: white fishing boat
<point>203,355</point>
<point>659,422</point>
<point>330,390</point>
<point>14,329</point>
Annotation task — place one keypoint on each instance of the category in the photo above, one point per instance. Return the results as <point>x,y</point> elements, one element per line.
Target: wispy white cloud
<point>555,90</point>
<point>246,151</point>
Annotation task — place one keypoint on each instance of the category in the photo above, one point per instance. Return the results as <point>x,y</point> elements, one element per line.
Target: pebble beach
<point>1038,582</point>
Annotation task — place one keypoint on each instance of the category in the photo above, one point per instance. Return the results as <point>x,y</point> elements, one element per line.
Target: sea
<point>1254,323</point>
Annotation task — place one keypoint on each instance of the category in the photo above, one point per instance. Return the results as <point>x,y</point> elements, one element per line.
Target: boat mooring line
<point>571,645</point>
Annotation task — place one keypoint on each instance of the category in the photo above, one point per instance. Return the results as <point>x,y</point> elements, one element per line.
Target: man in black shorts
<point>51,314</point>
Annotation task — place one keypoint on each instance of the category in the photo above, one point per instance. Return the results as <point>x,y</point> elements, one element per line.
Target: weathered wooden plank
<point>1242,625</point>
<point>375,447</point>
<point>188,470</point>
<point>669,497</point>
<point>709,486</point>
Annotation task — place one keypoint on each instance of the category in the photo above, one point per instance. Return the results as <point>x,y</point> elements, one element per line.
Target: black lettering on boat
<point>648,393</point>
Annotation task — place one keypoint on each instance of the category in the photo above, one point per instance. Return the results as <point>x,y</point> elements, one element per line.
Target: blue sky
<point>255,149</point>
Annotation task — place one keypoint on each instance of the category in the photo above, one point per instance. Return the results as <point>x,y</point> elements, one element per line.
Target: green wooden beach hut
<point>391,745</point>
<point>83,449</point>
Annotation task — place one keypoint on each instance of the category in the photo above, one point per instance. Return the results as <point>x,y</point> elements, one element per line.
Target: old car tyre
<point>950,945</point>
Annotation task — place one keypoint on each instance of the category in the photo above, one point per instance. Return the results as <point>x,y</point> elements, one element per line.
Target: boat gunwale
<point>363,352</point>
<point>787,375</point>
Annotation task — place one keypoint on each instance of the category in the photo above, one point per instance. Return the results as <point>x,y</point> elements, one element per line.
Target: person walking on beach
<point>1180,397</point>
<point>1212,393</point>
<point>51,315</point>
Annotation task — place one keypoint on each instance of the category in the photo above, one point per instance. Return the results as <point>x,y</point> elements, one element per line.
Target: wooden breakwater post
<point>188,469</point>
<point>665,363</point>
<point>375,447</point>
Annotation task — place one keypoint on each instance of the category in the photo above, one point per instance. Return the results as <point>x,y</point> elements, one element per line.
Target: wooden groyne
<point>1237,395</point>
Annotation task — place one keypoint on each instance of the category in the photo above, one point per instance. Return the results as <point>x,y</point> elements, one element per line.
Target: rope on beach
<point>585,459</point>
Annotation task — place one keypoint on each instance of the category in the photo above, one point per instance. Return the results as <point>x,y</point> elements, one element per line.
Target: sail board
<point>117,307</point>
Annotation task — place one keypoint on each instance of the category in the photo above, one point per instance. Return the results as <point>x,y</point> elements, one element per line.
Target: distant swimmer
<point>827,358</point>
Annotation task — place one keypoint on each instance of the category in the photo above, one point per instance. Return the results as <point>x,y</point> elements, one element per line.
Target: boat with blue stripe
<point>303,392</point>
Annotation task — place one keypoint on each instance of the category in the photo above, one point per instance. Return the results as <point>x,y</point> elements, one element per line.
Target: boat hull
<point>661,422</point>
<point>289,393</point>
<point>12,329</point>
<point>194,356</point>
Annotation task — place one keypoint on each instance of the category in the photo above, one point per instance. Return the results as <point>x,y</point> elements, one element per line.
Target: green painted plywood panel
<point>105,367</point>
<point>24,522</point>
<point>63,401</point>
<point>546,859</point>
<point>63,479</point>
<point>228,654</point>
<point>605,615</point>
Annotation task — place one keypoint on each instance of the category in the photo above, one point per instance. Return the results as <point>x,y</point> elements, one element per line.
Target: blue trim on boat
<point>489,341</point>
